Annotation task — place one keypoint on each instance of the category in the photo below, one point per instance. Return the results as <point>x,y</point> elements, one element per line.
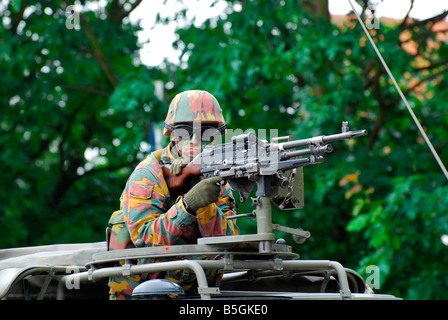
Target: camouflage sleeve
<point>147,217</point>
<point>212,220</point>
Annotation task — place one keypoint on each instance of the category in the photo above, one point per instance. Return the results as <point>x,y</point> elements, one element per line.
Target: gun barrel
<point>345,135</point>
<point>321,139</point>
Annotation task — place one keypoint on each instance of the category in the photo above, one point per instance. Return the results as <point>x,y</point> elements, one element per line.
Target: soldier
<point>153,215</point>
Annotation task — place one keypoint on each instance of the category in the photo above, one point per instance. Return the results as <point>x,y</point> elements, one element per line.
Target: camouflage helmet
<point>193,106</point>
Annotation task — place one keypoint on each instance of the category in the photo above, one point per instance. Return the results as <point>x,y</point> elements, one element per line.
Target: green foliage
<point>64,95</point>
<point>374,201</point>
<point>76,106</point>
<point>403,234</point>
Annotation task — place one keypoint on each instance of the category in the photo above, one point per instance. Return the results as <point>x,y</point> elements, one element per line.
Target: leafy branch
<point>98,52</point>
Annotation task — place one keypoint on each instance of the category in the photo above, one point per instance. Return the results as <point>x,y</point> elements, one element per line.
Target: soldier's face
<point>191,139</point>
<point>191,147</point>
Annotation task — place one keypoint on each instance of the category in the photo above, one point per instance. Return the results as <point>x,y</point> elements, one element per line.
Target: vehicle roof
<point>77,254</point>
<point>16,263</point>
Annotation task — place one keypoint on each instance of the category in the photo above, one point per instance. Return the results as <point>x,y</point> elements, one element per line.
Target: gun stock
<point>180,181</point>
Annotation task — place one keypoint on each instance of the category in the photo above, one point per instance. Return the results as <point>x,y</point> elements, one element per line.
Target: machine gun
<point>275,168</point>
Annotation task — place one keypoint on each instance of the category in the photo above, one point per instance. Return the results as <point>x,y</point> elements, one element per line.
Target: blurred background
<point>85,86</point>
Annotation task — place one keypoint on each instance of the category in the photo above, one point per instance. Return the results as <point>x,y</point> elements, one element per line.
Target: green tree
<point>377,200</point>
<point>68,90</point>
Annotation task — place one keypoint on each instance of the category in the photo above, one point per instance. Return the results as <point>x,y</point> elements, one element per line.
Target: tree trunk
<point>318,8</point>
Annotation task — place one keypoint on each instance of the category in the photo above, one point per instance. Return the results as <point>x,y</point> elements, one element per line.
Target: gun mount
<point>276,169</point>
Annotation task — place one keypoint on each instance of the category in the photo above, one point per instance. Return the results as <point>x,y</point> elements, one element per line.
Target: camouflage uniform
<point>151,212</point>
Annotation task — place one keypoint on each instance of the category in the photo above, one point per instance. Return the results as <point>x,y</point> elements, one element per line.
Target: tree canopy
<point>79,111</point>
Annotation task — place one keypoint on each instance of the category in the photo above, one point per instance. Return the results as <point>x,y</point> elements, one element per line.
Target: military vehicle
<point>81,271</point>
<point>254,266</point>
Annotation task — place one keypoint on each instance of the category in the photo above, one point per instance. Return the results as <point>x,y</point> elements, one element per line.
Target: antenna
<point>428,142</point>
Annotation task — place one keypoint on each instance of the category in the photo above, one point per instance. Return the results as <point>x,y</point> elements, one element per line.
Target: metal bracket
<point>93,267</point>
<point>228,262</point>
<point>327,279</point>
<point>90,274</point>
<point>126,270</point>
<point>185,275</point>
<point>209,290</point>
<point>317,140</point>
<point>278,264</point>
<point>46,282</point>
<point>346,294</point>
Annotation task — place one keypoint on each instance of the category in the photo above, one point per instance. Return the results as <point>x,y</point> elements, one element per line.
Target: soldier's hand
<point>178,164</point>
<point>203,193</point>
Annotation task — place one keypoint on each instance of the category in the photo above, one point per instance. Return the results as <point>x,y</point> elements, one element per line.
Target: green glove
<point>203,193</point>
<point>178,164</point>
